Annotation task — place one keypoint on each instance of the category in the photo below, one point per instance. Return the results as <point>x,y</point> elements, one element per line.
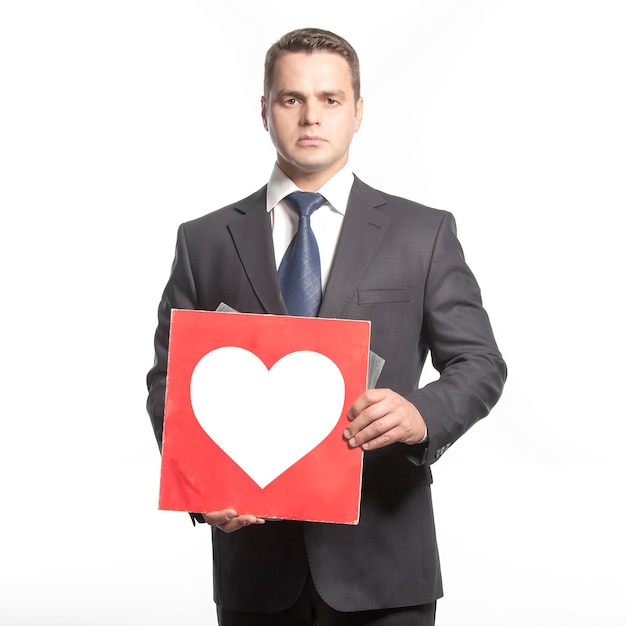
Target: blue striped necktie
<point>299,273</point>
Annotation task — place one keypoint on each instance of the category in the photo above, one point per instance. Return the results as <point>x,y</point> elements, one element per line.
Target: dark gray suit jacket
<point>399,265</point>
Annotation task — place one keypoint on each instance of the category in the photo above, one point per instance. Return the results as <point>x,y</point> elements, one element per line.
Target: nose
<point>311,114</point>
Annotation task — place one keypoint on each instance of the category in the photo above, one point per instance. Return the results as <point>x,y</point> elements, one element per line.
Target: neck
<point>308,181</point>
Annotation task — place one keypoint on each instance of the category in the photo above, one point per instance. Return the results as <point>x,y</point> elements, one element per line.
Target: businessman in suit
<point>381,258</point>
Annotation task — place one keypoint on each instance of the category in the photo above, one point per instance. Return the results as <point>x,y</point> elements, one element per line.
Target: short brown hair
<point>312,40</point>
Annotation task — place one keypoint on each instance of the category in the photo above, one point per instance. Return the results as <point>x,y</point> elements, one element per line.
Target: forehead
<point>312,70</point>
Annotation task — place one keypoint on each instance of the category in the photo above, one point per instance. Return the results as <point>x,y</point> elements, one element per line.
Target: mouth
<point>311,140</point>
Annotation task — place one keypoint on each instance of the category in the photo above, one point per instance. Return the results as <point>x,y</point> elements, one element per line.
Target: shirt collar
<point>336,190</point>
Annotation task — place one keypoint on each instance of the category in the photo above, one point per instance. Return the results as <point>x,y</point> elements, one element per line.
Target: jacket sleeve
<point>179,293</point>
<point>463,349</point>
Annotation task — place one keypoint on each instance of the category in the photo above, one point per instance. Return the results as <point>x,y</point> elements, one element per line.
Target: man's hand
<point>380,417</point>
<point>228,520</point>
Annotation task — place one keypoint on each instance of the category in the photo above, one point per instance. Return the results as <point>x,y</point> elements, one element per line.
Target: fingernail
<point>347,434</point>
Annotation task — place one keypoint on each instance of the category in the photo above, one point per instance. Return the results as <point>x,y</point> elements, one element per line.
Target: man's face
<point>311,115</point>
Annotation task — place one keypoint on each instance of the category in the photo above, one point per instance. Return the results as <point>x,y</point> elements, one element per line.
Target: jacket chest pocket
<point>381,296</point>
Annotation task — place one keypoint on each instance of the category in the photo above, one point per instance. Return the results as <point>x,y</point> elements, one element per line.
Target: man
<point>383,259</point>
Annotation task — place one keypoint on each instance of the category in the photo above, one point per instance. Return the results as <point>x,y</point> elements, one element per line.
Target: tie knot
<point>305,202</point>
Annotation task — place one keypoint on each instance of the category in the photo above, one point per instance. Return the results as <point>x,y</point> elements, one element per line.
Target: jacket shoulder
<point>397,206</point>
<point>225,215</point>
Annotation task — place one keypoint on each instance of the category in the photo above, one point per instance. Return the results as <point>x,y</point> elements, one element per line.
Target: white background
<point>120,119</point>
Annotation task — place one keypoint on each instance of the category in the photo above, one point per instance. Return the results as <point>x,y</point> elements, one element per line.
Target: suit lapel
<point>363,230</point>
<point>252,235</point>
<point>362,233</point>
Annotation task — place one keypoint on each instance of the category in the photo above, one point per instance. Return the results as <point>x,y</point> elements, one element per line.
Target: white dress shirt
<point>326,221</point>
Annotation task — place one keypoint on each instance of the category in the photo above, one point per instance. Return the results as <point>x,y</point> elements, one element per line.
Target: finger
<point>376,429</point>
<point>366,399</point>
<point>241,521</point>
<point>246,520</point>
<point>386,405</point>
<point>404,423</point>
<point>215,518</point>
<point>230,524</point>
<point>387,438</point>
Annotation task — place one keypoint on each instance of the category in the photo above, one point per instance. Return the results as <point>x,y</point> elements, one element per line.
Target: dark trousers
<point>311,610</point>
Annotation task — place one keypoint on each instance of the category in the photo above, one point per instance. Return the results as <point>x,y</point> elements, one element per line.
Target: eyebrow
<point>330,93</point>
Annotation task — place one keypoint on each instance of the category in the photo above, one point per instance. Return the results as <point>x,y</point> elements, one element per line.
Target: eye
<point>332,101</point>
<point>290,101</point>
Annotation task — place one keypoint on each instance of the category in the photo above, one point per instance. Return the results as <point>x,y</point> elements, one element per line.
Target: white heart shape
<point>266,421</point>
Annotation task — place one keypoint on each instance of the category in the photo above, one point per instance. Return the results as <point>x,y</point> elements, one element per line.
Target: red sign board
<point>255,410</point>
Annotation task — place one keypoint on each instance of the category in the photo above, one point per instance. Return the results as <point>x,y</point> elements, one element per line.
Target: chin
<point>312,165</point>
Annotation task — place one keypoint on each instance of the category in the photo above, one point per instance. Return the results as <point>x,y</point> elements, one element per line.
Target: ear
<point>264,112</point>
<point>359,114</point>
